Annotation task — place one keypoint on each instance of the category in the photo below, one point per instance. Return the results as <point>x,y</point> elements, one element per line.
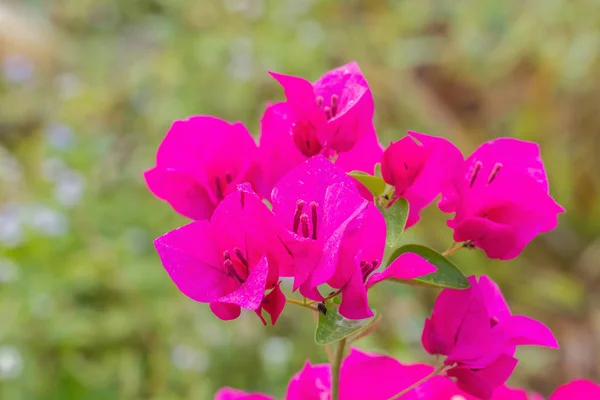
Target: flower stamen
<point>334,105</point>
<point>495,170</point>
<point>476,169</point>
<point>304,223</point>
<point>313,210</point>
<point>297,214</point>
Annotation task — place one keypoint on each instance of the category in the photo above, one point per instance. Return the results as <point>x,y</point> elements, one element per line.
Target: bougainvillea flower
<point>332,114</point>
<point>234,394</point>
<point>199,162</point>
<point>279,152</point>
<point>577,389</point>
<point>362,376</point>
<point>318,204</point>
<point>230,260</point>
<point>360,256</point>
<point>313,382</point>
<point>501,198</point>
<point>418,166</point>
<point>477,333</point>
<point>442,388</point>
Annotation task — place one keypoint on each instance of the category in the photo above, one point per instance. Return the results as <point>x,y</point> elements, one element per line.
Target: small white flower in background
<point>11,362</point>
<point>59,136</point>
<point>69,188</point>
<point>11,227</point>
<point>46,220</point>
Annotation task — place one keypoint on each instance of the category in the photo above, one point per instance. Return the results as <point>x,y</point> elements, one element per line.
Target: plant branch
<point>453,249</point>
<point>335,369</point>
<point>302,304</point>
<point>438,371</point>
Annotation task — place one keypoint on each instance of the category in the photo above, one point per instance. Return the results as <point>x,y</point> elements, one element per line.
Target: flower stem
<point>438,371</point>
<point>302,304</point>
<point>453,249</point>
<point>335,369</point>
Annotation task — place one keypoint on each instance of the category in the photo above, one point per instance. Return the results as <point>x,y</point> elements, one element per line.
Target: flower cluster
<point>297,207</point>
<point>365,376</point>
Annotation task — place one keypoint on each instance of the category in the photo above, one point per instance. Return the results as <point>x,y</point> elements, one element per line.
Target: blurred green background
<point>89,87</point>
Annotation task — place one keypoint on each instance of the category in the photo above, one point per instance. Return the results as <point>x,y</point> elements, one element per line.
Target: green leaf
<point>333,327</point>
<point>395,220</point>
<point>377,169</point>
<point>447,275</point>
<point>375,184</point>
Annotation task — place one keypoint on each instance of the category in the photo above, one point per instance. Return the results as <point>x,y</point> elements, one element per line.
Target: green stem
<point>335,369</point>
<point>453,249</point>
<point>420,382</point>
<point>302,304</point>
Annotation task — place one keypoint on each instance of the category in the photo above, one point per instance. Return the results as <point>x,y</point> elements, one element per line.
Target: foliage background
<point>89,87</point>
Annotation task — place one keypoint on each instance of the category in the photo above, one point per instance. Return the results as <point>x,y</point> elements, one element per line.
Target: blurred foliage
<point>89,87</point>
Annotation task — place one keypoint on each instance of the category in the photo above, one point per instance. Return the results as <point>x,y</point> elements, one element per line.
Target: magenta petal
<point>250,294</point>
<point>428,337</point>
<point>482,383</point>
<point>301,97</point>
<point>277,152</point>
<point>309,182</point>
<point>377,377</point>
<point>498,372</point>
<point>523,330</point>
<point>225,311</point>
<point>188,255</point>
<point>363,156</point>
<point>274,303</point>
<point>191,200</point>
<point>449,311</point>
<point>306,254</point>
<point>471,382</point>
<point>494,300</point>
<point>344,209</point>
<point>498,241</point>
<point>312,383</point>
<point>577,389</point>
<point>200,160</point>
<point>406,267</point>
<point>365,244</point>
<point>355,303</point>
<point>477,343</point>
<point>514,155</point>
<point>234,394</point>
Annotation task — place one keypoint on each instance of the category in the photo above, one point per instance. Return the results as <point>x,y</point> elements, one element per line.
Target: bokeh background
<point>89,87</point>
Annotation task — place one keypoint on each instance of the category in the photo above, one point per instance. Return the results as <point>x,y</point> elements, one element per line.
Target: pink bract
<point>500,198</point>
<point>442,388</point>
<point>318,204</point>
<point>418,166</point>
<point>199,162</point>
<point>362,376</point>
<point>230,260</point>
<point>477,333</point>
<point>333,113</point>
<point>234,394</point>
<point>577,389</point>
<point>279,151</point>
